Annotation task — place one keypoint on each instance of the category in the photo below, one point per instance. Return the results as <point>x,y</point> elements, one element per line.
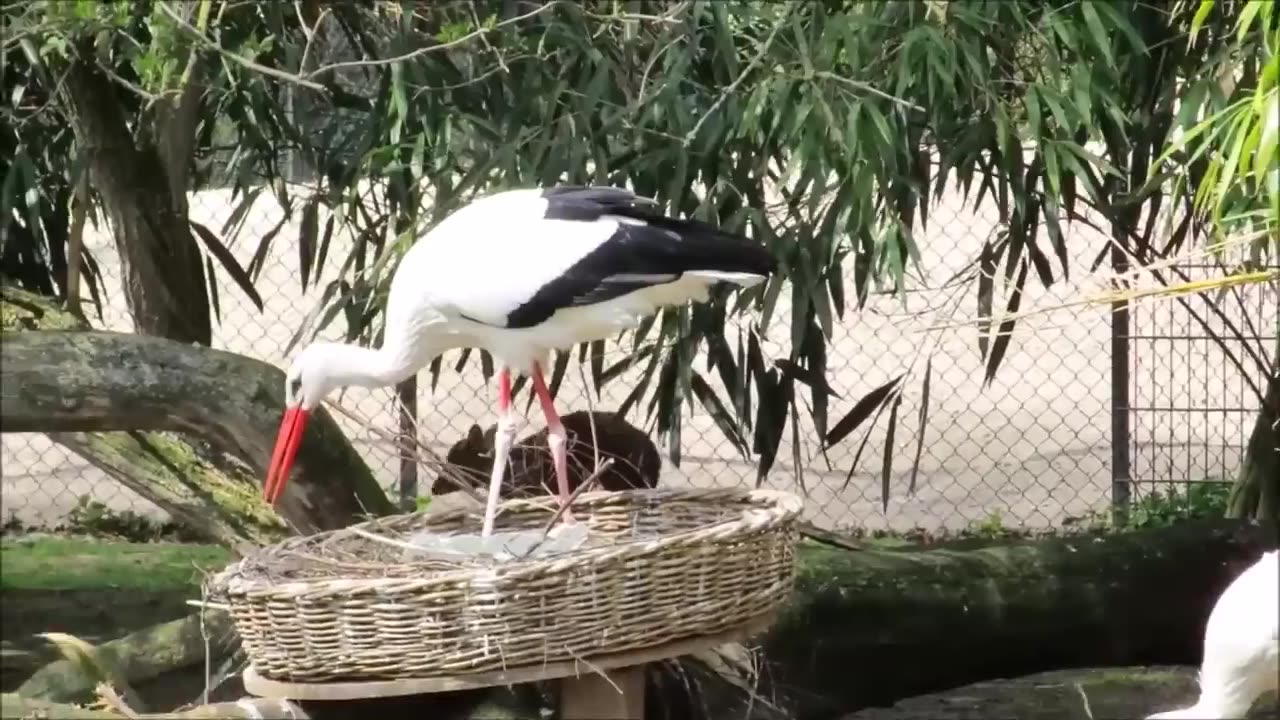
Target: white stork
<point>521,273</point>
<point>1241,645</point>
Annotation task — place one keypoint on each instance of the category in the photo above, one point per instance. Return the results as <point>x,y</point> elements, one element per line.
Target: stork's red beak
<point>287,442</point>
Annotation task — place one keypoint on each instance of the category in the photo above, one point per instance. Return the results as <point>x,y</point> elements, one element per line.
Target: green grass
<point>62,563</point>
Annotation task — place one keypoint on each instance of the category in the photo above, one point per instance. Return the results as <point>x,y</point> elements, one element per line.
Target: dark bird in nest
<point>636,462</point>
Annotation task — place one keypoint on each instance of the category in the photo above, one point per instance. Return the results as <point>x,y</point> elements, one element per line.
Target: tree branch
<point>82,382</point>
<point>305,78</point>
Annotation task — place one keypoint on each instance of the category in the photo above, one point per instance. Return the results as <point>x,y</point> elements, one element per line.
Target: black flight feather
<point>655,250</point>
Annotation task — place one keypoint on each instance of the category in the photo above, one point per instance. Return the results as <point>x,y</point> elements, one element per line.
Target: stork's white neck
<point>364,367</point>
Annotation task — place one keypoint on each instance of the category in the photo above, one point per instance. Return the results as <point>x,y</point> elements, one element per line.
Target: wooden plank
<point>264,687</point>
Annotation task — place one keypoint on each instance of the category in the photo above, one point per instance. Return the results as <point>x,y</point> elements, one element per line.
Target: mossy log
<point>79,386</point>
<point>871,627</point>
<point>137,657</point>
<point>13,705</point>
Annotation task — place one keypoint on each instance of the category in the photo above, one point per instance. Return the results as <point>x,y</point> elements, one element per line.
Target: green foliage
<point>1161,508</point>
<point>826,131</point>
<point>91,517</point>
<point>1235,103</point>
<point>95,519</point>
<point>776,120</point>
<point>1206,499</point>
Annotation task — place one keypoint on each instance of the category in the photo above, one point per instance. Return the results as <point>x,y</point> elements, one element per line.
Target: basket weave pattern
<point>659,566</point>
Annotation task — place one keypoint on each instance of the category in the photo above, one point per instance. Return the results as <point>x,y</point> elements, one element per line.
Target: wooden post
<point>611,695</point>
<point>407,393</point>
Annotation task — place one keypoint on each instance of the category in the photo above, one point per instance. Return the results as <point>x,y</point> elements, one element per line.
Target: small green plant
<point>991,526</point>
<point>1161,508</point>
<point>91,517</point>
<point>1204,499</point>
<point>423,502</point>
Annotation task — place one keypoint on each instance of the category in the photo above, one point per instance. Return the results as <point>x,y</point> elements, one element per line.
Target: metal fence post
<point>1121,470</point>
<point>407,391</point>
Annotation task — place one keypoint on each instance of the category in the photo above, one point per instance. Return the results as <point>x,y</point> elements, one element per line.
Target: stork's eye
<point>295,387</point>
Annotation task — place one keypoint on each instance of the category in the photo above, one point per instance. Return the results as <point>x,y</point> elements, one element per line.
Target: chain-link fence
<point>1075,416</point>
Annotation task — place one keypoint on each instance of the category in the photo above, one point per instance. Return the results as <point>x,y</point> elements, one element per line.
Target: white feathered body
<point>1241,645</point>
<point>505,238</point>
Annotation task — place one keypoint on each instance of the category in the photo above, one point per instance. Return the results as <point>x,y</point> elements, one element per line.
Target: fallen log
<point>13,705</point>
<point>136,658</point>
<point>870,627</point>
<point>79,385</point>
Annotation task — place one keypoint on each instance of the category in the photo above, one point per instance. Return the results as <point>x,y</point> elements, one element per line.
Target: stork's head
<point>317,371</point>
<point>320,369</point>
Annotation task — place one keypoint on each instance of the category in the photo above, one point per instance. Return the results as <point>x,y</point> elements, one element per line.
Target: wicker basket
<point>659,566</point>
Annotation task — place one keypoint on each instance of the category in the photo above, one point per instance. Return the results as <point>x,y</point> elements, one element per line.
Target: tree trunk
<point>164,280</point>
<point>79,385</point>
<point>1256,492</point>
<point>871,627</point>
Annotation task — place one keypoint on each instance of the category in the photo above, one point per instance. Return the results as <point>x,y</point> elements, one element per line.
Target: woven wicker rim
<point>766,509</point>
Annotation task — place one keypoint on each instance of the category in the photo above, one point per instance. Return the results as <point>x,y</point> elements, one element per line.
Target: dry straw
<point>658,566</point>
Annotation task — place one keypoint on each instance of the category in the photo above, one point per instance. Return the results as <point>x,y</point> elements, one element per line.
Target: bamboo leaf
<point>771,421</point>
<point>228,262</point>
<point>813,378</point>
<point>307,239</point>
<point>322,253</point>
<point>797,461</point>
<point>923,424</point>
<point>1005,332</point>
<point>1202,13</point>
<point>597,365</point>
<point>1270,135</point>
<point>211,281</point>
<point>886,465</point>
<point>1101,36</point>
<point>857,457</point>
<point>986,291</point>
<point>640,387</point>
<point>259,259</point>
<point>719,413</point>
<point>860,411</point>
<point>557,372</point>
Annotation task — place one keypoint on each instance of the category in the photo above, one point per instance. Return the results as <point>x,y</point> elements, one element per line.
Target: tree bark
<point>871,627</point>
<point>1256,492</point>
<point>164,279</point>
<point>68,383</point>
<point>13,705</point>
<point>137,657</point>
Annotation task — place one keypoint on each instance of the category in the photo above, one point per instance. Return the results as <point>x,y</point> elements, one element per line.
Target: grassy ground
<point>93,588</point>
<point>74,563</point>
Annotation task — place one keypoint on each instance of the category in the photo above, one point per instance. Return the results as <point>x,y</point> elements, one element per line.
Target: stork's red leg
<point>501,448</point>
<point>556,438</point>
